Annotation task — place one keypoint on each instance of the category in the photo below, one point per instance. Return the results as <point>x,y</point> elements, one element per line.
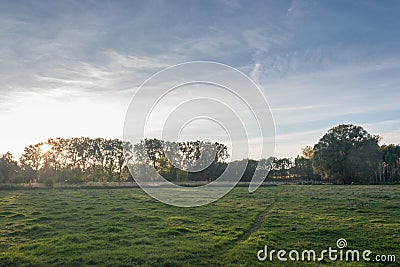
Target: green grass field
<point>126,227</point>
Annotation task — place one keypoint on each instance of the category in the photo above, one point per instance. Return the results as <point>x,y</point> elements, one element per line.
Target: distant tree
<point>32,160</point>
<point>185,154</point>
<point>109,151</point>
<point>96,150</point>
<point>120,158</point>
<point>8,168</point>
<point>281,168</point>
<point>249,171</point>
<point>390,168</point>
<point>47,172</point>
<point>347,153</point>
<point>143,159</point>
<point>154,149</point>
<point>302,168</point>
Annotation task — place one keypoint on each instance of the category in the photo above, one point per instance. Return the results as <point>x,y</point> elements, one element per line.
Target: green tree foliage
<point>8,168</point>
<point>389,170</point>
<point>348,154</point>
<point>168,158</point>
<point>308,152</point>
<point>302,168</point>
<point>249,171</point>
<point>75,160</point>
<point>281,168</point>
<point>32,160</point>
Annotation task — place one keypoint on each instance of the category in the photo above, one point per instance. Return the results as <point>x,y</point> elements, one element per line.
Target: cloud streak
<point>66,67</point>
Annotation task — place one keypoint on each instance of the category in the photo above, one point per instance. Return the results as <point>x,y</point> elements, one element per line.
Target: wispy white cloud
<point>318,64</point>
<point>255,73</point>
<point>120,61</point>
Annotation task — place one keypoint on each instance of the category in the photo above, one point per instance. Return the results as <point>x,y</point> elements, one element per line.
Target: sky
<point>71,68</point>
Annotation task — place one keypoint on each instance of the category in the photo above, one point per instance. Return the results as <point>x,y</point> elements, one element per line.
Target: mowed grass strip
<point>123,227</point>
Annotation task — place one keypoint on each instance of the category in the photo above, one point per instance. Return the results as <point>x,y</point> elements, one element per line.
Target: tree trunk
<point>119,177</point>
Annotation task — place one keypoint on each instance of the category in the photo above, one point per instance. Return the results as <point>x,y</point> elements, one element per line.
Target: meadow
<point>126,227</point>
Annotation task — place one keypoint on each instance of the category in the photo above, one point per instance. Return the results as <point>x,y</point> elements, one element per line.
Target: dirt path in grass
<point>255,226</point>
<point>258,221</point>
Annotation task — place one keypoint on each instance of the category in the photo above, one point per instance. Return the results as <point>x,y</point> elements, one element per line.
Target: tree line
<point>66,160</point>
<point>346,154</point>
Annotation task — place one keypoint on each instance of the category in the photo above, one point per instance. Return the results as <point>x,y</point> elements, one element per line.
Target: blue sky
<point>70,68</point>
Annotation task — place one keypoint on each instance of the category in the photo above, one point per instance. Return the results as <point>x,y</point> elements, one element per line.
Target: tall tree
<point>390,168</point>
<point>8,167</point>
<point>347,153</point>
<point>32,158</point>
<point>281,167</point>
<point>303,168</point>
